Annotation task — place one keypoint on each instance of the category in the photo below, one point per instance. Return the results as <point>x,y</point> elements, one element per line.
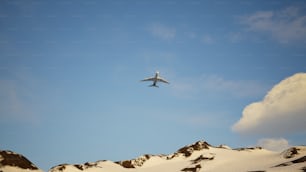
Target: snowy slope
<point>202,157</point>
<point>13,162</point>
<point>197,157</point>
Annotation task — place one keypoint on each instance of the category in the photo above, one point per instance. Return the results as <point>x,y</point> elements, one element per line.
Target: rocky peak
<point>9,158</point>
<point>291,152</point>
<point>186,151</point>
<point>189,149</point>
<point>138,162</point>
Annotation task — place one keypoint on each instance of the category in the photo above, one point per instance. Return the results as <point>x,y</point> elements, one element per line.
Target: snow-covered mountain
<point>197,157</point>
<point>200,157</point>
<point>13,162</point>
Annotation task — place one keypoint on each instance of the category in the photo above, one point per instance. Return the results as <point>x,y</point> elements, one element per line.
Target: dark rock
<point>60,167</point>
<point>290,153</point>
<point>138,162</point>
<point>201,158</point>
<point>251,148</point>
<point>80,167</point>
<point>10,158</point>
<point>299,160</point>
<point>188,150</point>
<point>126,164</point>
<point>192,169</point>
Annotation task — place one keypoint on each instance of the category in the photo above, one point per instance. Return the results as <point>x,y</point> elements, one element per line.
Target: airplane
<point>155,79</point>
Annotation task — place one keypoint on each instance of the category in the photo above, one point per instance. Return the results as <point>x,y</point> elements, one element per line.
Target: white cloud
<point>162,31</point>
<point>274,144</point>
<point>286,25</point>
<point>282,111</point>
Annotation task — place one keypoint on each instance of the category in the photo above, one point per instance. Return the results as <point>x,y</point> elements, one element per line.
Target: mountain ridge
<point>197,157</point>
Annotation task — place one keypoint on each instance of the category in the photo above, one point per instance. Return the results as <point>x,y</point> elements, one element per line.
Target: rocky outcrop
<point>185,151</point>
<point>87,165</point>
<point>11,159</point>
<point>224,147</point>
<point>290,153</point>
<point>189,149</point>
<point>192,169</point>
<point>202,158</point>
<point>138,162</point>
<point>190,158</point>
<point>196,146</point>
<point>60,167</point>
<point>299,160</point>
<point>249,148</point>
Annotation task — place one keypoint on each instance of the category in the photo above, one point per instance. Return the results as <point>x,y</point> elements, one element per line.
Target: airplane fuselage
<point>155,79</point>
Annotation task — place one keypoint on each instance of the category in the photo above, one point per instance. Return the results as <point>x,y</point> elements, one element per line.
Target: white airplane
<point>156,79</point>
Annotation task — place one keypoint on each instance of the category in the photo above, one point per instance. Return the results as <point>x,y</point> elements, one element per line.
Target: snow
<point>200,157</point>
<point>12,162</point>
<point>211,160</point>
<point>16,169</point>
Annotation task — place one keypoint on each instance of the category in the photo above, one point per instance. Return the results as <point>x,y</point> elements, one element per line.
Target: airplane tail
<point>154,85</point>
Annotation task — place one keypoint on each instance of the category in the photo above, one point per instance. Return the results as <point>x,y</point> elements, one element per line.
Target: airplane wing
<point>148,79</point>
<point>163,80</point>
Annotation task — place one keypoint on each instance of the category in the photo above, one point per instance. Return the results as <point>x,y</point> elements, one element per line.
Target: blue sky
<point>70,72</point>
